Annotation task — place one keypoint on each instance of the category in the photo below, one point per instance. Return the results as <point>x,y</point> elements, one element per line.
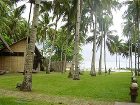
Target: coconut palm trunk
<point>131,53</point>
<point>101,50</point>
<point>100,60</point>
<point>70,75</point>
<point>105,53</point>
<point>119,63</point>
<point>93,68</point>
<point>71,72</point>
<point>135,60</point>
<point>62,63</point>
<point>138,49</point>
<point>135,39</point>
<point>76,47</point>
<point>49,63</point>
<point>65,62</point>
<point>53,39</point>
<point>27,81</point>
<point>116,60</point>
<point>137,25</point>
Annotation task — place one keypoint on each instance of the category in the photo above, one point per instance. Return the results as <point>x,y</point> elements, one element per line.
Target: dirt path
<point>52,99</point>
<point>123,103</point>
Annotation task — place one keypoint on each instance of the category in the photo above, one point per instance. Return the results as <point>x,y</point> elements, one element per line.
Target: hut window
<point>12,54</point>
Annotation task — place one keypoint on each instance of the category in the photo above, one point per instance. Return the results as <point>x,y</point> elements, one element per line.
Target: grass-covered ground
<point>110,88</point>
<point>20,101</point>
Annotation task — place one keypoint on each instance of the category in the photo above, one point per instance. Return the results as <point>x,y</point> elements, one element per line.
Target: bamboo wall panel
<point>14,63</point>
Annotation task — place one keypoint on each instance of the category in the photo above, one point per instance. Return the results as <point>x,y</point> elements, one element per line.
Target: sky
<point>87,49</point>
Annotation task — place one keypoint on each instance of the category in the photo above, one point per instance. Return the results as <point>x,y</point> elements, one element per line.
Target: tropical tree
<point>114,45</point>
<point>4,10</point>
<point>93,13</point>
<point>104,7</point>
<point>27,81</point>
<point>42,30</point>
<point>106,33</point>
<point>44,22</point>
<point>132,16</point>
<point>76,46</point>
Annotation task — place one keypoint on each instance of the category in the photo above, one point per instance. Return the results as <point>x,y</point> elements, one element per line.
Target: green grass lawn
<point>114,87</point>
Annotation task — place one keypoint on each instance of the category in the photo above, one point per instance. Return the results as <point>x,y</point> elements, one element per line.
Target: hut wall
<point>14,63</point>
<point>11,63</point>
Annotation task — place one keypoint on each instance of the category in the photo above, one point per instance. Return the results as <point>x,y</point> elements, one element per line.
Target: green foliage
<point>60,46</point>
<point>7,39</point>
<point>131,25</point>
<point>12,24</point>
<point>116,44</point>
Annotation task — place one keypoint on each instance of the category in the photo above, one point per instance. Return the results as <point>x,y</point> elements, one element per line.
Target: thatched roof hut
<point>14,61</point>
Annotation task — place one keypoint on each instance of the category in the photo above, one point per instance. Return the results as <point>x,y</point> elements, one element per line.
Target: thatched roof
<point>5,43</point>
<point>37,52</point>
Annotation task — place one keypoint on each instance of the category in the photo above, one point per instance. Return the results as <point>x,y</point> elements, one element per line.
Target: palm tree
<point>100,41</point>
<point>27,81</point>
<point>96,8</point>
<point>70,11</point>
<point>93,13</point>
<point>115,46</point>
<point>11,21</point>
<point>107,23</point>
<point>15,20</point>
<point>76,46</point>
<point>42,32</point>
<point>4,9</point>
<point>132,16</point>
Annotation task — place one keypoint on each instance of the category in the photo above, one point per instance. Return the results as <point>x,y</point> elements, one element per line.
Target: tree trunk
<point>116,60</point>
<point>50,57</point>
<point>131,53</point>
<point>100,60</point>
<point>126,63</point>
<point>70,75</point>
<point>93,68</point>
<point>101,50</point>
<point>135,39</point>
<point>119,62</point>
<point>105,53</point>
<point>135,61</point>
<point>62,66</point>
<point>27,81</point>
<point>49,63</point>
<point>65,62</point>
<point>138,22</point>
<point>71,72</point>
<point>76,47</point>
